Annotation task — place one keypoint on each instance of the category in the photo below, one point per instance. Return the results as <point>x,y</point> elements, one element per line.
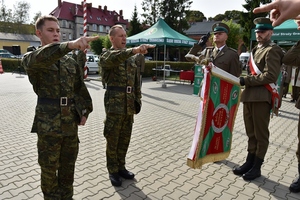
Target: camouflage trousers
<point>57,155</point>
<point>117,131</point>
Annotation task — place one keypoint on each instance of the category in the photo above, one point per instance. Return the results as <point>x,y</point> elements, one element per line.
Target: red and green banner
<point>220,98</point>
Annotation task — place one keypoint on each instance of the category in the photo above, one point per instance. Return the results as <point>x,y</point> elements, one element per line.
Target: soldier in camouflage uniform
<point>140,63</point>
<point>122,100</point>
<point>63,103</point>
<point>101,71</point>
<point>81,59</point>
<point>74,55</point>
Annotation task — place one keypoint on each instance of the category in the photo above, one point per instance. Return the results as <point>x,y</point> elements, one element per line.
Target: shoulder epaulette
<point>232,49</point>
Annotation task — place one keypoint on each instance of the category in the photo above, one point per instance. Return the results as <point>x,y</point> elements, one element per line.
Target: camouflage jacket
<point>140,62</point>
<point>119,70</point>
<point>81,59</point>
<point>53,75</point>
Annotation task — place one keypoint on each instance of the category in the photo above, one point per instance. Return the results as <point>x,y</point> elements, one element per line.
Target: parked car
<point>4,51</point>
<point>148,58</point>
<point>92,63</point>
<point>7,55</point>
<point>96,58</point>
<point>244,58</point>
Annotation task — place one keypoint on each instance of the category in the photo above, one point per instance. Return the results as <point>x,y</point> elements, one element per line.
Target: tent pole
<point>164,85</point>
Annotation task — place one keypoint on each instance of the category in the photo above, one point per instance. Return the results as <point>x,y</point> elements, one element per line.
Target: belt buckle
<point>128,89</point>
<point>63,101</point>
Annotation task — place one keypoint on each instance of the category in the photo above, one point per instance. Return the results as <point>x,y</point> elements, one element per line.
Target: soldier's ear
<point>38,33</point>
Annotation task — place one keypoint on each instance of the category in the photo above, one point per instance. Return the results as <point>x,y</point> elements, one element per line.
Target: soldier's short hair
<point>41,21</point>
<point>113,28</point>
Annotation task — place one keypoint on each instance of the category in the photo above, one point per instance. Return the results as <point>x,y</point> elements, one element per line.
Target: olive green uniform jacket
<point>268,59</point>
<point>227,59</point>
<point>54,75</point>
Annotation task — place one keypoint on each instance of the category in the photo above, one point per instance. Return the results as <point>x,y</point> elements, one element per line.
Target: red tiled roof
<point>68,11</point>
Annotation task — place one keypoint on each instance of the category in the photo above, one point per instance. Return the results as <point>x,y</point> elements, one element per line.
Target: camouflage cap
<point>220,27</point>
<point>262,24</point>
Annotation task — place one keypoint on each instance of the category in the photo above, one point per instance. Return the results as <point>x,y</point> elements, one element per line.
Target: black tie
<point>216,53</point>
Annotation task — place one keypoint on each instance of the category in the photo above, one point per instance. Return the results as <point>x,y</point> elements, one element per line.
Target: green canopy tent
<point>161,34</point>
<point>285,34</point>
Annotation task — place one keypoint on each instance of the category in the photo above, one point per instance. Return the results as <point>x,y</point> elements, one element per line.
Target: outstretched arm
<point>281,10</point>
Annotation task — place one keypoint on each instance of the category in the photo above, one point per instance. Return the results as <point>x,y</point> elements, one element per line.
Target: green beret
<point>220,27</point>
<point>262,24</point>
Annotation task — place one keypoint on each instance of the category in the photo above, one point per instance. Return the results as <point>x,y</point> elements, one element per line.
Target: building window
<point>64,37</point>
<point>99,18</point>
<point>101,29</point>
<point>107,29</point>
<point>81,31</point>
<point>70,36</point>
<point>94,27</point>
<point>64,23</point>
<point>70,25</point>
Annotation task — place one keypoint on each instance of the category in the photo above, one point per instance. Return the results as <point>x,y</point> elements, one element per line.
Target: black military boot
<point>295,186</point>
<point>254,172</point>
<point>246,166</point>
<point>115,179</point>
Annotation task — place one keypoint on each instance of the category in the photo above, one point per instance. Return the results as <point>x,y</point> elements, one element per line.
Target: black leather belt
<point>127,89</point>
<point>62,101</point>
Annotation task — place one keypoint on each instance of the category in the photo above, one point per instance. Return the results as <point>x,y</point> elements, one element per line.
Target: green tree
<point>135,25</point>
<point>233,14</point>
<point>219,17</point>
<point>234,34</point>
<point>36,16</point>
<point>174,13</point>
<point>106,42</point>
<point>247,17</point>
<point>5,14</point>
<point>98,45</point>
<point>151,11</point>
<point>21,12</point>
<point>195,16</point>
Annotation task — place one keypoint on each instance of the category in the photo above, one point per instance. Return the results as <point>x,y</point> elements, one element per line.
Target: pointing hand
<point>82,43</point>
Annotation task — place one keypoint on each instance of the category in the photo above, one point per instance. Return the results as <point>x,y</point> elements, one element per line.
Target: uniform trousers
<point>256,119</point>
<point>295,92</point>
<point>117,131</point>
<point>57,155</point>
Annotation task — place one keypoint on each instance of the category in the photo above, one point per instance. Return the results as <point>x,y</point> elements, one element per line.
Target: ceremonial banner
<point>219,101</point>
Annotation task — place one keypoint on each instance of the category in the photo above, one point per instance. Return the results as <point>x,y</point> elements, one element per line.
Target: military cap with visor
<point>262,24</point>
<point>220,27</point>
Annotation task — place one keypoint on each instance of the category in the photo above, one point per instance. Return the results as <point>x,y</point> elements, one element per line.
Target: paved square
<point>161,139</point>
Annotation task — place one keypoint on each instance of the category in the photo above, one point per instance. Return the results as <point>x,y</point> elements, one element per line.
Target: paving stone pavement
<point>161,139</point>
